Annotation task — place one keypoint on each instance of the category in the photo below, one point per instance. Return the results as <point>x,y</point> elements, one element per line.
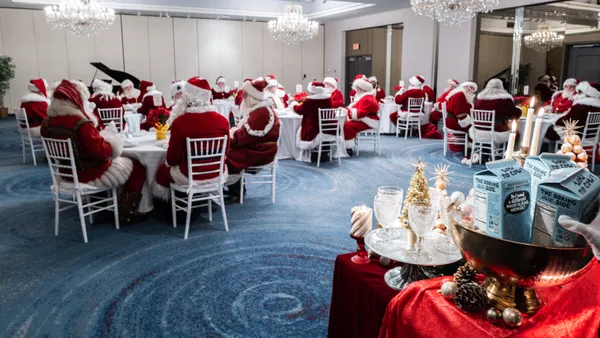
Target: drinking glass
<point>446,243</point>
<point>387,206</point>
<point>421,219</point>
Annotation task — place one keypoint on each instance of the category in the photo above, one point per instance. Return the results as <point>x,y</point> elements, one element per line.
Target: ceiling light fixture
<point>453,12</point>
<point>80,17</point>
<point>543,39</point>
<point>293,28</point>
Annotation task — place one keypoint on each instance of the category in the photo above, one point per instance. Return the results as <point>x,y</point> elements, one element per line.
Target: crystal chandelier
<point>543,39</point>
<point>293,28</point>
<point>80,17</point>
<point>453,12</point>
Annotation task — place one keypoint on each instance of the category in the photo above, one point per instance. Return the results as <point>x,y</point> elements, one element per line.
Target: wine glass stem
<point>419,245</point>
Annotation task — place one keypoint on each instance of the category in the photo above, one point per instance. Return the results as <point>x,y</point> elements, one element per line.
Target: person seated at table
<point>271,94</point>
<point>129,94</point>
<point>379,93</point>
<point>337,98</point>
<point>436,113</point>
<point>458,104</point>
<point>495,97</point>
<point>176,90</point>
<point>104,98</point>
<point>430,94</point>
<point>362,113</point>
<point>221,91</point>
<point>35,104</point>
<point>254,141</point>
<point>414,91</point>
<point>150,98</point>
<point>197,118</point>
<point>97,154</point>
<point>586,101</point>
<point>307,137</point>
<point>353,91</point>
<point>562,100</point>
<point>283,96</point>
<point>239,95</point>
<point>542,90</point>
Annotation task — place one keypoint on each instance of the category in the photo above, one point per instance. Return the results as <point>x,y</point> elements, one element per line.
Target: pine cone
<point>471,297</point>
<point>465,274</point>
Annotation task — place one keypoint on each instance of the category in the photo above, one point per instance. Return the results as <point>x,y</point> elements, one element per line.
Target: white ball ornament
<point>575,140</point>
<point>571,155</point>
<point>512,317</point>
<point>457,197</point>
<point>583,157</point>
<point>578,149</point>
<point>448,290</point>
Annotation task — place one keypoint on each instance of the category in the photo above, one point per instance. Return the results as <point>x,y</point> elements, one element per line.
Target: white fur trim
<point>322,96</point>
<point>173,87</point>
<point>114,140</point>
<point>160,191</point>
<point>104,95</point>
<point>276,100</point>
<point>268,127</point>
<point>413,81</point>
<point>35,131</point>
<point>570,82</point>
<point>34,97</point>
<point>224,90</point>
<point>221,80</point>
<point>349,144</point>
<point>151,92</point>
<point>452,83</point>
<point>314,89</point>
<point>362,84</point>
<point>200,109</point>
<point>461,89</point>
<point>372,79</point>
<point>126,83</point>
<point>116,174</point>
<point>180,178</point>
<point>67,108</point>
<point>353,113</point>
<point>233,179</point>
<point>588,90</point>
<point>587,101</point>
<point>481,135</point>
<point>331,81</point>
<point>272,83</point>
<point>307,145</point>
<point>83,90</point>
<point>280,93</point>
<point>247,87</point>
<point>493,94</point>
<point>465,122</point>
<point>372,123</point>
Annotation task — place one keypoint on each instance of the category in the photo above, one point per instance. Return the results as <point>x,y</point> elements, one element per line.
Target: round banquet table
<point>151,153</point>
<point>290,123</point>
<point>389,106</point>
<point>223,107</point>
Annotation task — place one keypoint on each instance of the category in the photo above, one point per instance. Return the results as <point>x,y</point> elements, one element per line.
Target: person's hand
<point>112,127</point>
<point>591,232</point>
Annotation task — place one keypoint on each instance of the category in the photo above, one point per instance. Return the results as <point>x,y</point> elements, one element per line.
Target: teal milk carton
<point>540,168</point>
<point>502,201</point>
<point>570,192</point>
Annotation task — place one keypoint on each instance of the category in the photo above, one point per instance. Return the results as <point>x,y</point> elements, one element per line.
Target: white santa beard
<point>275,99</point>
<point>567,95</point>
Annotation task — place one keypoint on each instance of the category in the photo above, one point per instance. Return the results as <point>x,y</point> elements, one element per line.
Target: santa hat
<point>372,79</point>
<point>416,81</point>
<point>176,87</point>
<point>453,83</point>
<point>99,85</point>
<point>571,82</point>
<point>316,87</point>
<point>332,81</point>
<point>272,83</point>
<point>269,77</point>
<point>468,84</point>
<point>126,83</point>
<point>221,79</point>
<point>146,86</point>
<point>38,86</point>
<point>589,89</point>
<point>71,91</point>
<point>255,88</point>
<point>197,90</point>
<point>362,84</point>
<point>360,77</point>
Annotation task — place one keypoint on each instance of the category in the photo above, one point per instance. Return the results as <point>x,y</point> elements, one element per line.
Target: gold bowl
<point>514,270</point>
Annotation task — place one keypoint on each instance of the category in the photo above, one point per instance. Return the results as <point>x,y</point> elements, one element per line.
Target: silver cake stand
<point>411,271</point>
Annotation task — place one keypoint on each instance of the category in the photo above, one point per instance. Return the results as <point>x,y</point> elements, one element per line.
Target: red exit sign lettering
<point>355,46</point>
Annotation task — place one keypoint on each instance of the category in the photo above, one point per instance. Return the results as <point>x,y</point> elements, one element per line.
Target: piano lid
<point>116,75</point>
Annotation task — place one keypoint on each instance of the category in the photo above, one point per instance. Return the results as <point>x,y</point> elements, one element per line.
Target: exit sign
<point>355,46</point>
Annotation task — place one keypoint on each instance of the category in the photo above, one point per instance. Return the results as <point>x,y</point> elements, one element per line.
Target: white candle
<point>511,141</point>
<point>526,90</point>
<point>401,83</point>
<point>298,88</point>
<point>536,134</point>
<point>528,123</point>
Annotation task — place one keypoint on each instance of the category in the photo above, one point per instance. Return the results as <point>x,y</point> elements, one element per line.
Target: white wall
<point>156,49</point>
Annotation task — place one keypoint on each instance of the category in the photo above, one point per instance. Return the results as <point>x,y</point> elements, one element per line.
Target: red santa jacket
<point>561,104</point>
<point>459,110</point>
<point>337,99</point>
<point>97,155</point>
<point>148,102</point>
<point>128,100</point>
<point>379,94</point>
<point>104,100</point>
<point>309,109</point>
<point>365,110</point>
<point>441,99</point>
<point>238,98</point>
<point>194,123</point>
<point>255,142</point>
<point>352,93</point>
<point>414,93</point>
<point>579,111</point>
<point>221,94</point>
<point>430,94</point>
<point>36,109</point>
<point>504,107</point>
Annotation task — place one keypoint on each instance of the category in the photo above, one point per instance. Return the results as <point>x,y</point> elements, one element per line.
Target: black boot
<point>128,203</point>
<point>314,156</point>
<point>350,152</point>
<point>234,194</point>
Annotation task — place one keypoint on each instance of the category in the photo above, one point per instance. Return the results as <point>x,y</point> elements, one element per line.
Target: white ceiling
<point>318,10</point>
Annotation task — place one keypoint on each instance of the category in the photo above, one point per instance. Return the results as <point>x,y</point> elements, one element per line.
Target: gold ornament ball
<point>449,289</point>
<point>571,155</point>
<point>583,157</point>
<point>493,315</point>
<point>384,262</point>
<point>566,148</point>
<point>512,317</point>
<point>575,140</point>
<point>578,149</point>
<point>440,185</point>
<point>566,139</point>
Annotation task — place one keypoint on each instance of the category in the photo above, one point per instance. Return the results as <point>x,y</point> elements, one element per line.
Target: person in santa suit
<point>130,94</point>
<point>176,89</point>
<point>103,98</point>
<point>150,98</point>
<point>254,141</point>
<point>197,118</point>
<point>285,98</point>
<point>436,114</point>
<point>379,93</point>
<point>362,113</point>
<point>586,101</point>
<point>429,92</point>
<point>353,91</point>
<point>415,91</point>
<point>458,104</point>
<point>35,104</point>
<point>221,91</point>
<point>271,94</point>
<point>239,95</point>
<point>337,98</point>
<point>542,90</point>
<point>319,98</point>
<point>50,89</point>
<point>98,154</point>
<point>562,100</point>
<point>495,97</point>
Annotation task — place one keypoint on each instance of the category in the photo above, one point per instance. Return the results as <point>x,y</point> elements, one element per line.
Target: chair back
<point>415,105</point>
<point>329,121</point>
<point>592,128</point>
<point>22,121</point>
<point>108,115</point>
<point>60,160</point>
<point>484,120</point>
<point>208,154</point>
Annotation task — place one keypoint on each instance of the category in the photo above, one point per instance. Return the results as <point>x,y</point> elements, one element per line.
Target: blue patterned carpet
<point>270,276</point>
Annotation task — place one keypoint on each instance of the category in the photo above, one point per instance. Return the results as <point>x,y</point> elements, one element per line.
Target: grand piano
<point>116,75</point>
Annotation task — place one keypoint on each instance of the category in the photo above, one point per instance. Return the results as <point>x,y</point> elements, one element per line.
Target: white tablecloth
<point>223,107</point>
<point>151,154</point>
<point>389,107</point>
<point>549,121</point>
<point>290,123</point>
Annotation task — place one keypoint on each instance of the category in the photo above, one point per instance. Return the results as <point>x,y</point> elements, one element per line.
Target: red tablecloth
<point>359,299</point>
<point>418,311</point>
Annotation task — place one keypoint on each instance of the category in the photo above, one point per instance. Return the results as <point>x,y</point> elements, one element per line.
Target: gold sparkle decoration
<point>441,176</point>
<point>570,128</point>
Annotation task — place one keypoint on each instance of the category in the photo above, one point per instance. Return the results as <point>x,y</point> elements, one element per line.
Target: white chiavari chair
<point>459,138</point>
<point>372,134</point>
<point>330,133</point>
<point>262,174</point>
<point>108,115</point>
<point>413,117</point>
<point>484,140</point>
<point>28,141</point>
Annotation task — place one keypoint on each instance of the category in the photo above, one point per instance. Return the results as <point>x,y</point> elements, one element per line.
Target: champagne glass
<point>421,219</point>
<point>387,206</point>
<point>446,243</point>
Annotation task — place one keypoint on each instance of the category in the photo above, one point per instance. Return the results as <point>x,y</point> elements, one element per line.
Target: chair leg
<point>337,149</point>
<point>32,152</point>
<point>210,210</point>
<point>115,207</point>
<point>242,187</point>
<point>419,130</point>
<point>594,157</point>
<point>445,144</point>
<point>224,214</point>
<point>56,215</point>
<point>357,140</point>
<point>466,145</point>
<point>81,217</point>
<point>90,209</point>
<point>319,155</point>
<point>274,180</point>
<point>188,214</point>
<point>406,130</point>
<point>173,209</point>
<point>23,148</point>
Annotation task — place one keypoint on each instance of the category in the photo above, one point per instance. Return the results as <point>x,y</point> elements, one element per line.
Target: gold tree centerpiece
<point>418,194</point>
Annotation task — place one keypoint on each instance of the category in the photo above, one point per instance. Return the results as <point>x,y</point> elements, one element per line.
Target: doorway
<point>356,65</point>
<point>583,62</point>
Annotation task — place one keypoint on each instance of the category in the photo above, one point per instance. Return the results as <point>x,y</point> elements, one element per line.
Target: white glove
<point>112,127</point>
<point>591,232</point>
